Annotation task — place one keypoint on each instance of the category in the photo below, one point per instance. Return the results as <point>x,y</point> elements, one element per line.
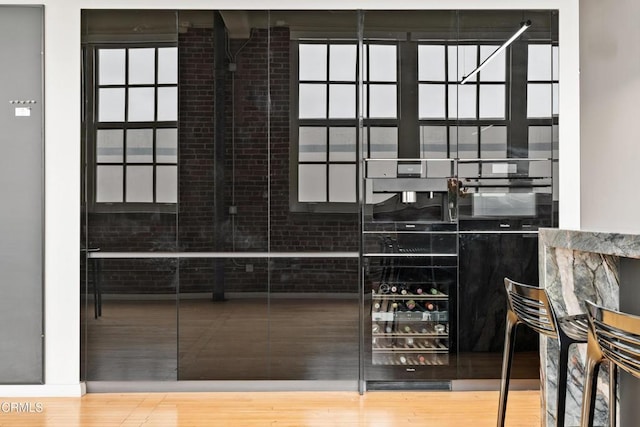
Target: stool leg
<point>507,356</point>
<point>613,386</point>
<point>589,394</point>
<point>561,387</point>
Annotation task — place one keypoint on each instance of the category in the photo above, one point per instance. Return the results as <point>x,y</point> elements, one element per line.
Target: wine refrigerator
<point>410,263</point>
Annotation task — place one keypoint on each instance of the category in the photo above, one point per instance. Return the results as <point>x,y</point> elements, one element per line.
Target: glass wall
<point>252,178</point>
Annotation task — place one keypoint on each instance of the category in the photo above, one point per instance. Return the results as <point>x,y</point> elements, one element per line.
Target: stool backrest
<point>532,308</point>
<point>617,335</point>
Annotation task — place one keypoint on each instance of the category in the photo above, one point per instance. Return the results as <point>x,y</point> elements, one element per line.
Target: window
<point>326,119</point>
<point>461,121</point>
<point>135,161</point>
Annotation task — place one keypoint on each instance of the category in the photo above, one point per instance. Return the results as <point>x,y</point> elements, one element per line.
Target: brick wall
<point>256,182</point>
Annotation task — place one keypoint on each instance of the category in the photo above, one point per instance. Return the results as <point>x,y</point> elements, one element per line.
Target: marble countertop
<point>615,244</point>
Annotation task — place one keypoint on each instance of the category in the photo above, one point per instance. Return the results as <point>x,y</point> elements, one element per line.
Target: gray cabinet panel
<point>21,195</point>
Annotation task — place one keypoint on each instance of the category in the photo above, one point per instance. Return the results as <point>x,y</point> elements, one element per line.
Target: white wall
<point>610,114</point>
<point>62,149</point>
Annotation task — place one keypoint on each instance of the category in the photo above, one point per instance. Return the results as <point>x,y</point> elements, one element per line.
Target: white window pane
<point>167,104</point>
<point>433,142</point>
<point>312,62</point>
<point>342,144</point>
<point>555,65</point>
<point>495,69</point>
<point>556,96</point>
<point>493,142</point>
<point>342,62</point>
<point>383,142</point>
<point>382,169</point>
<point>462,61</point>
<point>168,65</point>
<point>167,184</point>
<point>466,138</point>
<point>342,183</point>
<point>109,143</point>
<point>312,144</point>
<point>109,184</point>
<point>539,100</point>
<point>139,145</point>
<point>312,183</point>
<point>141,104</point>
<point>142,64</point>
<point>431,101</point>
<point>382,63</point>
<point>140,184</point>
<point>111,105</point>
<point>462,101</point>
<point>383,101</point>
<point>492,102</point>
<point>167,145</point>
<point>539,62</point>
<point>312,101</point>
<point>111,66</point>
<point>342,101</point>
<point>431,63</point>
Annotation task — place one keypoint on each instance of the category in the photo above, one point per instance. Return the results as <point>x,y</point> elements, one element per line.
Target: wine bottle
<point>411,305</point>
<point>384,288</point>
<point>376,306</point>
<point>407,329</point>
<point>419,290</point>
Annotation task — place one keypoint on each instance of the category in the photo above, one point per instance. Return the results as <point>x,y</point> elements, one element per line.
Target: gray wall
<point>610,115</point>
<point>21,195</point>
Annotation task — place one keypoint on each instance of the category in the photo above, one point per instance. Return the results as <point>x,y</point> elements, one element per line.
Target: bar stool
<point>613,337</point>
<point>530,306</point>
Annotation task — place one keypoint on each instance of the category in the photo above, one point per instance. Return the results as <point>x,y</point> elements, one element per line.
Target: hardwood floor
<point>281,409</point>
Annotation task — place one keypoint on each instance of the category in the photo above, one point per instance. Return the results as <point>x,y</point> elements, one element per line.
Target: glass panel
<point>312,144</point>
<point>342,183</point>
<point>108,184</point>
<point>462,101</point>
<point>111,105</point>
<point>313,62</point>
<point>539,62</point>
<point>555,63</point>
<point>134,338</point>
<point>342,62</point>
<point>139,145</point>
<point>142,63</point>
<point>431,101</point>
<point>431,63</point>
<point>382,63</point>
<point>493,142</point>
<point>383,101</point>
<point>109,146</point>
<point>555,87</point>
<point>433,142</point>
<point>312,101</point>
<point>139,184</point>
<point>315,302</point>
<point>342,101</point>
<point>495,70</point>
<point>383,142</point>
<point>342,144</point>
<point>167,184</point>
<point>167,65</point>
<point>492,102</point>
<point>462,61</point>
<point>227,338</point>
<point>539,102</point>
<point>167,145</point>
<point>167,104</point>
<point>540,147</point>
<point>111,67</point>
<point>312,183</point>
<point>467,141</point>
<point>141,104</point>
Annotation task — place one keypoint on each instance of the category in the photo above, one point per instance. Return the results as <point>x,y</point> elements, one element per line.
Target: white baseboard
<point>43,390</point>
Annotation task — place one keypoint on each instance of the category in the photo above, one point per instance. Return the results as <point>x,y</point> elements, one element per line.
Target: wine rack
<point>409,324</point>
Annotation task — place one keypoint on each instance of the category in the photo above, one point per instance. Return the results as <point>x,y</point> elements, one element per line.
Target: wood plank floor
<point>277,409</point>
